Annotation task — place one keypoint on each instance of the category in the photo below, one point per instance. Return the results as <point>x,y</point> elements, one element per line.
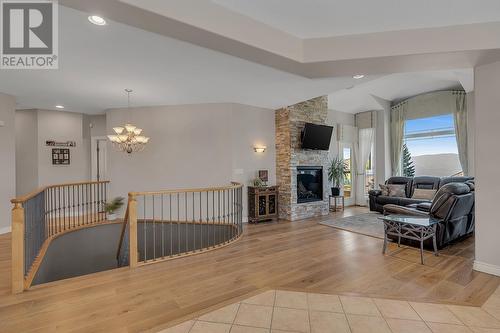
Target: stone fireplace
<point>309,184</point>
<point>293,162</point>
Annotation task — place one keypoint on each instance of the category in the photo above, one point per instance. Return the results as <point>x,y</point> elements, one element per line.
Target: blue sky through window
<point>431,145</point>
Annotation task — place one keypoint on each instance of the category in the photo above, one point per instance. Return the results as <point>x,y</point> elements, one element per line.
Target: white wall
<point>335,118</point>
<point>34,161</point>
<point>193,146</point>
<point>26,151</point>
<point>471,131</point>
<point>7,160</point>
<point>487,161</point>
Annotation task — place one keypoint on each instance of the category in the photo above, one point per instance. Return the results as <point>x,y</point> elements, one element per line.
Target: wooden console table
<point>262,203</point>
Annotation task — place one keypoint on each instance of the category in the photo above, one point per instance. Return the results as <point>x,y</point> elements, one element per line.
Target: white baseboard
<point>5,230</point>
<point>486,268</point>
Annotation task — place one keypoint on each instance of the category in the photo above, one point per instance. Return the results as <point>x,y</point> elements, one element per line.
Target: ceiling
<point>396,87</point>
<point>327,18</point>
<point>98,63</point>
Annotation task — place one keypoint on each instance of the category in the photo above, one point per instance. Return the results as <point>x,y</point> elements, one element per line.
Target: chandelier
<point>128,138</point>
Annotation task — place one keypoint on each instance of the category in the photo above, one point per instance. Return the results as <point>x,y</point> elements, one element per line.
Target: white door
<point>98,158</point>
<point>347,153</point>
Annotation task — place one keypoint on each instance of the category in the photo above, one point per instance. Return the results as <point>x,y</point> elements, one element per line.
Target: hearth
<point>309,184</point>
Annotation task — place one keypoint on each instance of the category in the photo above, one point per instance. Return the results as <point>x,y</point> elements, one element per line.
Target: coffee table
<point>409,227</point>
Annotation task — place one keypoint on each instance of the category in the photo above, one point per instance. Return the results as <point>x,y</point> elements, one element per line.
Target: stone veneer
<point>289,155</point>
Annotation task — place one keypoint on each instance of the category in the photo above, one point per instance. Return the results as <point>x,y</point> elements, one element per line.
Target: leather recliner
<point>452,207</point>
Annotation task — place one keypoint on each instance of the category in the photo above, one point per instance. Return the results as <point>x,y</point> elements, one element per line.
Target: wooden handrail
<point>206,189</point>
<point>34,193</point>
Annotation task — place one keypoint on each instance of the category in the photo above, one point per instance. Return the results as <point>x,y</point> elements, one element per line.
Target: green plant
<point>337,171</point>
<point>257,182</point>
<point>114,205</point>
<point>408,166</point>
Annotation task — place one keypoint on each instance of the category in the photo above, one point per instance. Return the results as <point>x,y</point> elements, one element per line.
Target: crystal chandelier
<point>128,138</point>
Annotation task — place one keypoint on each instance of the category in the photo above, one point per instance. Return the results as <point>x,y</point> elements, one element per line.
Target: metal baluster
<point>154,230</point>
<point>208,222</point>
<point>194,225</point>
<point>213,218</point>
<point>185,218</point>
<point>162,230</point>
<point>178,225</point>
<point>171,230</point>
<point>145,229</point>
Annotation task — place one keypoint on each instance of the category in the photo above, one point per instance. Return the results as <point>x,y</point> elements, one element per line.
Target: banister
<point>34,193</point>
<point>233,185</point>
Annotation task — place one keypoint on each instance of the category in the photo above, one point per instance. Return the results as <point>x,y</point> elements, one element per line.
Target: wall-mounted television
<point>316,137</point>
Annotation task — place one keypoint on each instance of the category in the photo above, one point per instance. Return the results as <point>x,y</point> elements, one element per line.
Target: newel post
<point>132,216</point>
<point>17,248</point>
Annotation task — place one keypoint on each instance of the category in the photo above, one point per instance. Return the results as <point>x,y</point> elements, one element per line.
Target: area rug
<point>365,224</point>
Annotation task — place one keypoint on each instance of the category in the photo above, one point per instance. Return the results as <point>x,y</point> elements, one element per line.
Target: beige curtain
<point>362,153</point>
<point>397,126</point>
<point>460,116</point>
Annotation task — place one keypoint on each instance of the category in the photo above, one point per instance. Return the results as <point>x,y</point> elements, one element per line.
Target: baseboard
<point>5,230</point>
<point>486,268</point>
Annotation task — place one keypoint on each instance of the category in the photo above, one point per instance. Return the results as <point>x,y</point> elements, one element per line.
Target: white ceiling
<point>98,63</point>
<point>395,87</point>
<point>325,18</point>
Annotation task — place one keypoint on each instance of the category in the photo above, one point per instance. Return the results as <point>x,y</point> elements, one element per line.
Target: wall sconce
<point>260,149</point>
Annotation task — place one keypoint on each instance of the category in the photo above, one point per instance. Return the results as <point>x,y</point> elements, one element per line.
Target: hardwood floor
<point>300,255</point>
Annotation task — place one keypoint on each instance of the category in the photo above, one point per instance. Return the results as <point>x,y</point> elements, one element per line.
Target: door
<point>99,158</point>
<point>346,151</point>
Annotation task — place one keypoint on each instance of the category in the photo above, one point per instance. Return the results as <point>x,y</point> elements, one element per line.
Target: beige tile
<point>248,329</point>
<point>407,326</point>
<point>222,315</point>
<point>435,313</point>
<point>492,305</point>
<point>291,299</point>
<point>396,309</point>
<point>290,320</point>
<point>448,328</point>
<point>281,331</point>
<point>266,298</point>
<point>359,306</point>
<point>254,315</point>
<point>323,302</point>
<point>326,322</point>
<point>365,324</point>
<point>484,330</point>
<point>472,316</point>
<point>181,328</point>
<point>206,327</point>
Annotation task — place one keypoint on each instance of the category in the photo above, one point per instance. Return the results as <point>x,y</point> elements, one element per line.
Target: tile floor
<point>277,311</point>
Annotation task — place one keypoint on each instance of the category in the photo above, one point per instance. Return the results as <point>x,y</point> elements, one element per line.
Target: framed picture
<point>60,156</point>
<point>264,175</point>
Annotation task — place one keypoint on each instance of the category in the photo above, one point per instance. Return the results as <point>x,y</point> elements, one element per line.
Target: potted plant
<point>112,207</point>
<point>337,174</point>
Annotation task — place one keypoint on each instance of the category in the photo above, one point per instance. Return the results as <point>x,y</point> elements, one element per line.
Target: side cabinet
<point>262,203</point>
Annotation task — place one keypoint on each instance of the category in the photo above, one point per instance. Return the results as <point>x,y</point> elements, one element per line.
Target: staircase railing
<point>170,224</point>
<point>47,213</point>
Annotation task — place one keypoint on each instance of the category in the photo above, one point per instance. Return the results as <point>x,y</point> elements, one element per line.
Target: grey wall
<point>7,160</point>
<point>193,146</point>
<point>487,161</point>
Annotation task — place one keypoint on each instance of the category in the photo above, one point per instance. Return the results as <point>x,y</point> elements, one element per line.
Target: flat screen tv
<point>316,137</point>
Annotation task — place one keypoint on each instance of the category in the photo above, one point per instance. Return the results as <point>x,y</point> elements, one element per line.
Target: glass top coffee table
<point>416,228</point>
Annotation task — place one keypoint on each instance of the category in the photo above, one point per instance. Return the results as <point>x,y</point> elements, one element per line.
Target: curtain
<point>460,117</point>
<point>363,149</point>
<point>397,125</point>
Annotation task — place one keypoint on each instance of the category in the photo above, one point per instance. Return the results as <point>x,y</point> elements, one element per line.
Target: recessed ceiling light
<point>60,106</point>
<point>358,76</point>
<point>97,20</point>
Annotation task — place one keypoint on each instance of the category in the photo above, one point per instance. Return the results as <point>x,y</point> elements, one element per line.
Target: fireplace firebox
<point>309,184</point>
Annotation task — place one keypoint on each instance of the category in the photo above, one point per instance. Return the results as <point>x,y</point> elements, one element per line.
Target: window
<point>432,146</point>
<point>346,154</point>
<point>370,172</point>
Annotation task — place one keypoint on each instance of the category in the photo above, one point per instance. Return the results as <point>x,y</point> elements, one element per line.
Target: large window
<point>432,146</point>
<point>346,155</point>
<point>370,172</point>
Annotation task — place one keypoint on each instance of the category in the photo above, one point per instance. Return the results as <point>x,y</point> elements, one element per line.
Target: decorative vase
<point>335,191</point>
<point>111,217</point>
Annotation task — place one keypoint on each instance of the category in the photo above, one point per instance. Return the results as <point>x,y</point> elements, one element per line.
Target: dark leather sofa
<point>452,206</point>
<point>377,200</point>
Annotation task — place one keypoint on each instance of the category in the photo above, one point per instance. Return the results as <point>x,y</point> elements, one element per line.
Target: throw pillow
<point>384,189</point>
<point>424,194</point>
<point>397,190</point>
